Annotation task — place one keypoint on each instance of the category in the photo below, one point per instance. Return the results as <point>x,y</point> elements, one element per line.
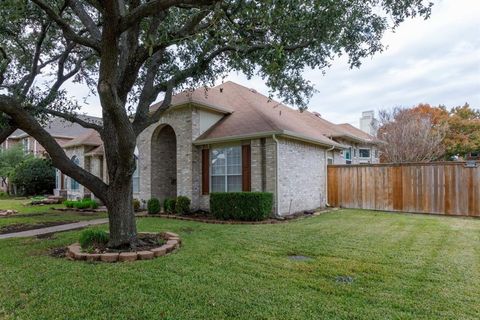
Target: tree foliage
<point>133,52</point>
<point>458,128</point>
<point>9,160</point>
<point>34,176</point>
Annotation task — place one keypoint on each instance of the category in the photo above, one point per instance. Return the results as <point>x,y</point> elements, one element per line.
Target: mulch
<point>18,227</point>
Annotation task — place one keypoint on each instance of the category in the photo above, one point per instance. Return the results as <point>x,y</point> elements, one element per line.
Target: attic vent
<point>317,114</point>
<point>253,90</point>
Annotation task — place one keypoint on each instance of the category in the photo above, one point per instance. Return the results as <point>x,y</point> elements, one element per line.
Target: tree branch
<point>86,20</point>
<point>65,26</point>
<point>154,7</point>
<point>30,125</point>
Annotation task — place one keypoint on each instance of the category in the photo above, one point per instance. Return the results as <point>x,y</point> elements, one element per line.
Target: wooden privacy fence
<point>448,188</point>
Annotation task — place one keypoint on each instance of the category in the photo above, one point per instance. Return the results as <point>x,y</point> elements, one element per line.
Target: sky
<point>435,61</point>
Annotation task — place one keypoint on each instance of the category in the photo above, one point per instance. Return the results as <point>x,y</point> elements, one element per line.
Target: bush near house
<point>246,206</point>
<point>136,204</point>
<point>153,206</point>
<point>169,205</point>
<point>81,204</point>
<point>182,205</point>
<point>34,176</point>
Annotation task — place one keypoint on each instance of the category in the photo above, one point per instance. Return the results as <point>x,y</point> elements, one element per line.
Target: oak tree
<point>133,52</point>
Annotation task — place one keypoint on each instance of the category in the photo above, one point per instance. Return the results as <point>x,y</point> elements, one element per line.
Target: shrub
<point>93,237</point>
<point>153,206</point>
<point>93,204</point>
<point>69,203</point>
<point>34,176</point>
<point>136,204</point>
<point>81,204</point>
<point>182,205</point>
<point>169,205</point>
<point>246,206</point>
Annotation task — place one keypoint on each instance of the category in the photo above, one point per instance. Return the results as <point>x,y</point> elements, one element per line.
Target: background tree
<point>34,176</point>
<point>463,135</point>
<point>411,135</point>
<point>9,160</point>
<point>146,49</point>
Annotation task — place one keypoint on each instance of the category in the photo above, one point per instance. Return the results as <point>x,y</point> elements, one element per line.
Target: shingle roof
<point>252,113</point>
<point>353,131</point>
<point>58,127</point>
<point>89,138</point>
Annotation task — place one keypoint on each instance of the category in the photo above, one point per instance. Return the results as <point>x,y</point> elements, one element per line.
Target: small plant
<point>182,205</point>
<point>93,238</point>
<point>69,203</point>
<point>136,204</point>
<point>93,204</point>
<point>83,204</point>
<point>169,205</point>
<point>153,206</point>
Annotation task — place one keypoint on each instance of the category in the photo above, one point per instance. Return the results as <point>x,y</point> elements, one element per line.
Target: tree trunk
<point>121,216</point>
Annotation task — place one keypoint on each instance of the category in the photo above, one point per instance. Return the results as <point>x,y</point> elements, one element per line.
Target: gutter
<point>326,174</point>
<point>277,185</point>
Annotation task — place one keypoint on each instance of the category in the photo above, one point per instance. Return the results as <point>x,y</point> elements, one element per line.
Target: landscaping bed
<point>19,227</point>
<point>151,245</point>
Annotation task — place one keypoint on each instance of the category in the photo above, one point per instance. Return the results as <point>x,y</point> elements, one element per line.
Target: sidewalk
<point>63,227</point>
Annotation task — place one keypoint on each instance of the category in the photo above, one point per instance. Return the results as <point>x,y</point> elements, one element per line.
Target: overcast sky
<point>434,61</point>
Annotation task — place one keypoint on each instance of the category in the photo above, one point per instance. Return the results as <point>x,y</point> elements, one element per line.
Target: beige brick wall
<point>301,176</point>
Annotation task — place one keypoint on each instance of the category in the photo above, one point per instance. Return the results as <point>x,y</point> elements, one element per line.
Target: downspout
<point>277,185</point>
<point>326,174</point>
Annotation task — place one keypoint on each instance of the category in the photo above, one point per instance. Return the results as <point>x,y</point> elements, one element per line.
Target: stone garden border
<point>74,251</point>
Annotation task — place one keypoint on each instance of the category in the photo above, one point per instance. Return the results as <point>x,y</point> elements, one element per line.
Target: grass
<point>32,215</point>
<point>403,267</point>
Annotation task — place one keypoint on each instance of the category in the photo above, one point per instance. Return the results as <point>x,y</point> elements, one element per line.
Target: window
<point>74,185</point>
<point>364,153</point>
<point>348,154</point>
<point>58,179</point>
<point>354,152</point>
<point>226,169</point>
<point>136,174</point>
<point>329,161</point>
<point>26,145</point>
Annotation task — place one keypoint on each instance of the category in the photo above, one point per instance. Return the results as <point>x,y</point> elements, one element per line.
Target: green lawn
<point>402,266</point>
<point>35,215</point>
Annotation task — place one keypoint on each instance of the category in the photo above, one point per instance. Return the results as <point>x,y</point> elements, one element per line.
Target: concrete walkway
<point>59,228</point>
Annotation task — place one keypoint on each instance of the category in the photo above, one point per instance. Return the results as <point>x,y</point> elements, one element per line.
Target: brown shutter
<point>205,171</point>
<point>246,168</point>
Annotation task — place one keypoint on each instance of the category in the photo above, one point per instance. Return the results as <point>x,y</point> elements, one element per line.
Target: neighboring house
<point>230,138</point>
<point>63,132</point>
<point>368,123</point>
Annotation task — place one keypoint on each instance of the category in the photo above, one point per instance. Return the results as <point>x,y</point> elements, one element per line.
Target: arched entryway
<point>164,163</point>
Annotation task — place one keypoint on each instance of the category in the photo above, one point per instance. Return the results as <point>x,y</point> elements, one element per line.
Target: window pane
<point>218,184</point>
<point>218,161</point>
<point>136,184</point>
<point>365,153</point>
<point>234,183</point>
<point>234,161</point>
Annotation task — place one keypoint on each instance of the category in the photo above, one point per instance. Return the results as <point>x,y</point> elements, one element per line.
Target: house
<point>230,138</point>
<point>62,131</point>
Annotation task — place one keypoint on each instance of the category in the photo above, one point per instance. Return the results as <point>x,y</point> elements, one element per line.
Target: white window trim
<point>226,175</point>
<point>369,152</point>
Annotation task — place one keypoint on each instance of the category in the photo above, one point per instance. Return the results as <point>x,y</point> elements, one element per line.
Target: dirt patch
<point>58,252</point>
<point>25,226</point>
<point>146,241</point>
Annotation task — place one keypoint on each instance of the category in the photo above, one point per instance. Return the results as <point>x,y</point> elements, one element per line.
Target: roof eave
<point>280,133</point>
